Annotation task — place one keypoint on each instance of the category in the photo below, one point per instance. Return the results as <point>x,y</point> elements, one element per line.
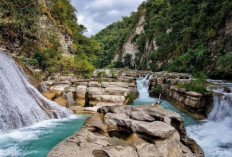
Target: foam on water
<point>20,103</point>
<point>214,134</point>
<point>145,99</point>
<point>38,139</point>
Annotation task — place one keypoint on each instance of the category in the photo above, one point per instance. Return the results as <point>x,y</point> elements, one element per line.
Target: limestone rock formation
<point>104,91</point>
<point>195,104</point>
<point>130,131</point>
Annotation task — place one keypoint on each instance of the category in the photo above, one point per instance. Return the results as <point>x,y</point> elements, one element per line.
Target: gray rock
<point>130,131</point>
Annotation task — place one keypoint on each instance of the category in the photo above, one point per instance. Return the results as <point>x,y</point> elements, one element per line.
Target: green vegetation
<point>190,36</point>
<point>101,74</point>
<point>157,90</point>
<point>20,22</point>
<point>112,39</point>
<point>197,85</point>
<point>130,97</point>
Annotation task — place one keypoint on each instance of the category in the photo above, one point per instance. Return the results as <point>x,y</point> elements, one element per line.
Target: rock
<point>124,131</point>
<point>94,84</point>
<point>192,101</point>
<point>178,89</point>
<point>194,94</point>
<point>61,101</point>
<point>80,110</point>
<point>105,84</point>
<point>49,95</point>
<point>80,95</point>
<point>57,92</point>
<point>184,81</point>
<point>60,87</point>
<point>49,83</point>
<point>117,91</point>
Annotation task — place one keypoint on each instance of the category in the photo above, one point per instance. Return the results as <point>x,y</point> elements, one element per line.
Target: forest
<point>190,35</point>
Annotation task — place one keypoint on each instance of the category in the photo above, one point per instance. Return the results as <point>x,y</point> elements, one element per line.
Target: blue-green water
<point>149,100</point>
<point>212,134</point>
<point>38,140</point>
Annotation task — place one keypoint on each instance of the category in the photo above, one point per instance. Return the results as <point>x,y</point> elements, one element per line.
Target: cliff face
<point>175,36</point>
<point>45,35</point>
<point>38,31</point>
<point>130,47</point>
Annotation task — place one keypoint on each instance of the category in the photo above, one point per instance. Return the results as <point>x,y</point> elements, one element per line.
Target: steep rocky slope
<point>45,34</point>
<point>181,36</point>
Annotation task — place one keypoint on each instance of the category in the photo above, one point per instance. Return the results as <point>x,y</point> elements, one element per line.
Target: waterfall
<point>20,103</point>
<point>214,134</point>
<point>222,107</point>
<point>143,86</point>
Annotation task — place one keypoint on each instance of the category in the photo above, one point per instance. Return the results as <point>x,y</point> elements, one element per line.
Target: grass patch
<point>196,85</point>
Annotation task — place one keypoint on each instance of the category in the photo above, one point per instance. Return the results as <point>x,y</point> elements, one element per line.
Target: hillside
<point>181,36</point>
<point>45,34</point>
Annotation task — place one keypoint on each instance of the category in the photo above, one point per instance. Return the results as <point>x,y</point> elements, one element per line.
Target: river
<point>213,134</point>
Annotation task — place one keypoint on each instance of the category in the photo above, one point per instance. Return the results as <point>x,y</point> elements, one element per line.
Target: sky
<point>97,14</point>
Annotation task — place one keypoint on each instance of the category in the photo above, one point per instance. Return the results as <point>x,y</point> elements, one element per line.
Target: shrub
<point>101,74</point>
<point>130,97</point>
<point>157,90</point>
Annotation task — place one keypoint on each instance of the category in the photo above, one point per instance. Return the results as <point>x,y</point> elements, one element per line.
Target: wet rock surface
<point>131,131</point>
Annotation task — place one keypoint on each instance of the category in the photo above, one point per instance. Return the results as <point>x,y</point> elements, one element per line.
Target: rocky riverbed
<point>104,88</point>
<point>132,131</point>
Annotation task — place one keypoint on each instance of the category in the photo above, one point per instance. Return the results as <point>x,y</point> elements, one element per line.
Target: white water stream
<point>20,103</point>
<point>213,134</point>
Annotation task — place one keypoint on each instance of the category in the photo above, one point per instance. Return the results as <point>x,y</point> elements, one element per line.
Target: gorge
<point>155,83</point>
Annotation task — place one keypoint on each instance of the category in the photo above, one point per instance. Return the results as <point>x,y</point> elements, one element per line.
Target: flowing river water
<point>213,134</point>
<point>21,105</point>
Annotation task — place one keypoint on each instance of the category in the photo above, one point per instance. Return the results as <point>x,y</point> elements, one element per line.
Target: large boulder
<point>130,131</point>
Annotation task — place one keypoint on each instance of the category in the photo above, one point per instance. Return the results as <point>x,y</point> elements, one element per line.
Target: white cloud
<point>97,14</point>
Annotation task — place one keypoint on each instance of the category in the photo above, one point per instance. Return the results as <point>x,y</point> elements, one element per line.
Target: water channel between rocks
<point>213,134</point>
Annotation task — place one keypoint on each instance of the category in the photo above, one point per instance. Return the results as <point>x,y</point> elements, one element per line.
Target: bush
<point>225,62</point>
<point>29,61</point>
<point>130,97</point>
<point>101,74</point>
<point>157,90</point>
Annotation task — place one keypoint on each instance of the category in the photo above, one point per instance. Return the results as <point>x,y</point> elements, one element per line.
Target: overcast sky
<point>97,14</point>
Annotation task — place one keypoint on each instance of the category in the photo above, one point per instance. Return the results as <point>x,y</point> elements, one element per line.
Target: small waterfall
<point>143,86</point>
<point>20,103</point>
<point>222,103</point>
<point>222,107</point>
<point>214,134</point>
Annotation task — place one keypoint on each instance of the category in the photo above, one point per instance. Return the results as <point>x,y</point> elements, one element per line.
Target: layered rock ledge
<point>130,131</point>
<point>196,104</point>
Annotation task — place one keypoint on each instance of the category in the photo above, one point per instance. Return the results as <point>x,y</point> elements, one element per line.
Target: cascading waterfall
<point>214,134</point>
<point>143,86</point>
<point>20,103</point>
